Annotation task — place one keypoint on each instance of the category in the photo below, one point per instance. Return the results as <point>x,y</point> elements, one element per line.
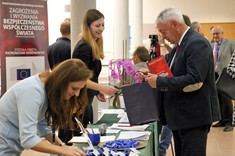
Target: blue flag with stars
<point>23,73</point>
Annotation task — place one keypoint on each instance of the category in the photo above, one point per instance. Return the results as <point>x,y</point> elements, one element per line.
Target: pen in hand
<point>91,128</point>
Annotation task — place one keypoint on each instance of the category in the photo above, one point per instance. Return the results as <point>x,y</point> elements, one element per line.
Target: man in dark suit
<point>189,102</point>
<point>222,51</point>
<point>61,49</point>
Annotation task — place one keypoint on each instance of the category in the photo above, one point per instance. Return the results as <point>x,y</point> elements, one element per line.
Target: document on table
<point>81,139</point>
<point>111,111</point>
<point>96,130</point>
<point>123,118</point>
<point>135,135</point>
<point>128,127</point>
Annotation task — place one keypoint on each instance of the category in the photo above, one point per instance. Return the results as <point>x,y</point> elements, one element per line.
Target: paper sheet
<point>81,139</point>
<point>124,118</point>
<point>128,127</point>
<point>136,135</point>
<point>111,111</point>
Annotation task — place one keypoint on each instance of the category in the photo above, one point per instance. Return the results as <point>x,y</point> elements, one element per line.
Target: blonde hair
<point>97,45</point>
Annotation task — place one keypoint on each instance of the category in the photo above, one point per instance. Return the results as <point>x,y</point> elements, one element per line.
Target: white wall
<point>204,11</point>
<point>56,14</point>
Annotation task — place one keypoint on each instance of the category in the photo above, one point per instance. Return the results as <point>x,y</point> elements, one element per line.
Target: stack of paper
<point>128,127</point>
<point>135,135</point>
<point>81,139</point>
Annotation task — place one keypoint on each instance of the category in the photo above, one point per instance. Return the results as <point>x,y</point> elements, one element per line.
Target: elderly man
<point>196,26</point>
<point>222,51</point>
<point>189,103</point>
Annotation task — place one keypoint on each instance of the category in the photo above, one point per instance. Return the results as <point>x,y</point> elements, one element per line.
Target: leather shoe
<point>228,128</point>
<point>219,124</point>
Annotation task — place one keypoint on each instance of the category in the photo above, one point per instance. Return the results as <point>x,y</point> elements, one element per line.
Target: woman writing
<point>36,106</point>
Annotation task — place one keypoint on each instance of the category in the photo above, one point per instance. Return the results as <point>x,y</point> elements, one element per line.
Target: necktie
<point>176,50</point>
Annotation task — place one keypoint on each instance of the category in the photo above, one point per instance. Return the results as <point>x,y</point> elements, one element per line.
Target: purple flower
<point>116,68</point>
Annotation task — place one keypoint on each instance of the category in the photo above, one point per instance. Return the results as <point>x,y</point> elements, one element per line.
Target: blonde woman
<point>89,49</point>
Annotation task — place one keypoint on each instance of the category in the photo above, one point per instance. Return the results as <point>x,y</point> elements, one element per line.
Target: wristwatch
<point>162,45</point>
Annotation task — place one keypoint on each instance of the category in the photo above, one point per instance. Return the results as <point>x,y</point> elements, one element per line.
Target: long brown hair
<point>97,45</point>
<point>61,111</point>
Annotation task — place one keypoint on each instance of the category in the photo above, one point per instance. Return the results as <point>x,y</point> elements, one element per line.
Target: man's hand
<point>152,80</point>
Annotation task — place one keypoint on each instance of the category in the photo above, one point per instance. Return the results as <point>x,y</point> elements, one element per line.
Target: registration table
<point>151,148</point>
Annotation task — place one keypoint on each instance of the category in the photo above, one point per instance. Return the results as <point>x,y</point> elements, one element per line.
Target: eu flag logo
<point>23,73</point>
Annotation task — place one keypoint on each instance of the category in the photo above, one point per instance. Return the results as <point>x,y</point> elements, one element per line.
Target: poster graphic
<point>23,38</point>
<point>23,73</point>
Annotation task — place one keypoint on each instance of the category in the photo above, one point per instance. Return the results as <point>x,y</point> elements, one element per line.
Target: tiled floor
<point>219,144</point>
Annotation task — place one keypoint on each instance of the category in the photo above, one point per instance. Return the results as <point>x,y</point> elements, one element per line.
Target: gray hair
<point>170,14</point>
<point>195,25</point>
<point>219,28</point>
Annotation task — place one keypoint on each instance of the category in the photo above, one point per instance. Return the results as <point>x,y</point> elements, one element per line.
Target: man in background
<point>196,26</point>
<point>139,58</point>
<point>222,52</point>
<point>61,49</point>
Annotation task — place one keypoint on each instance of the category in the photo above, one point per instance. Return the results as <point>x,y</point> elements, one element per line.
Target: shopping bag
<point>140,103</point>
<point>226,85</point>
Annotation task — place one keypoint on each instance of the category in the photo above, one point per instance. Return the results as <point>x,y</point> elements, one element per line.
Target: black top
<point>83,51</point>
<point>59,51</point>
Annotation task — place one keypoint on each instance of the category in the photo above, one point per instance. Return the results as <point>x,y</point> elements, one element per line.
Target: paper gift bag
<point>140,102</point>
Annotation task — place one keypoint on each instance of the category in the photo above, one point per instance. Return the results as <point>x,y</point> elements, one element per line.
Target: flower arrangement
<point>118,68</point>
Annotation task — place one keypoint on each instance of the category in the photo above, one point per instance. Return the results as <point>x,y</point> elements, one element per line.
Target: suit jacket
<point>83,51</point>
<point>59,51</point>
<point>183,105</point>
<point>225,53</point>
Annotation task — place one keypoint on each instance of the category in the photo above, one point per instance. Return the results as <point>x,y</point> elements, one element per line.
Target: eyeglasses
<point>216,33</point>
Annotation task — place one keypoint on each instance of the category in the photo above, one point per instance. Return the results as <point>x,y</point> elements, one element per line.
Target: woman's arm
<point>109,90</point>
<point>47,147</point>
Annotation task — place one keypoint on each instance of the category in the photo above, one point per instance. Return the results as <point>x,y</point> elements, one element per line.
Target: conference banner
<point>24,40</point>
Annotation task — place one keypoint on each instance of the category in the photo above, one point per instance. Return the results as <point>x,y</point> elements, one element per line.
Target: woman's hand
<point>47,147</point>
<point>72,151</point>
<point>101,97</point>
<point>109,90</point>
